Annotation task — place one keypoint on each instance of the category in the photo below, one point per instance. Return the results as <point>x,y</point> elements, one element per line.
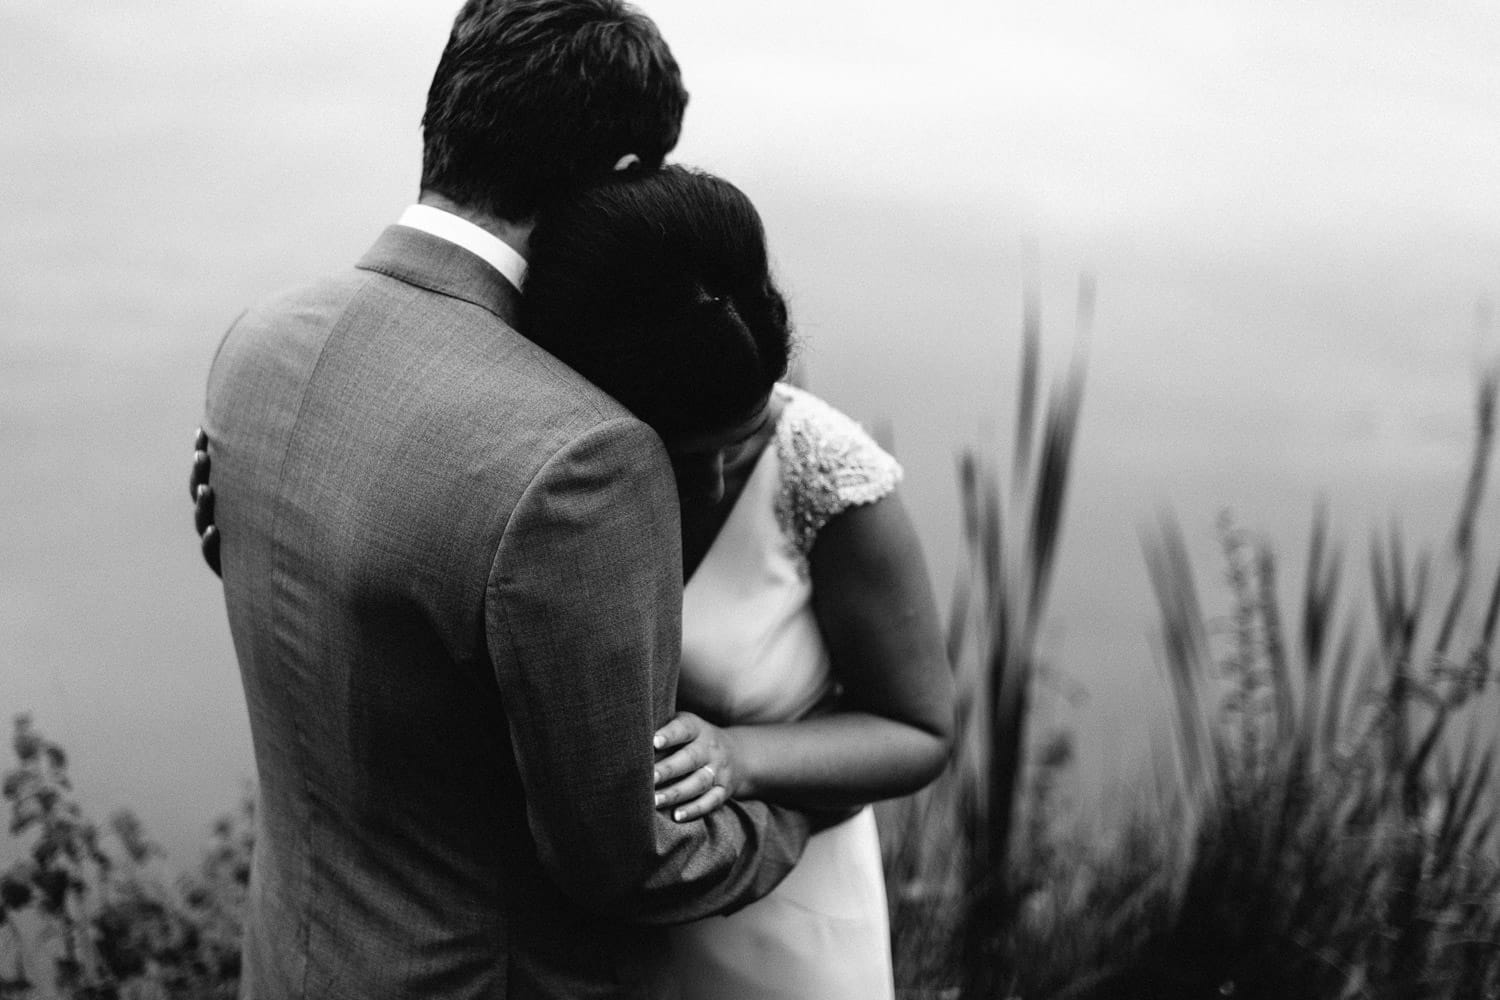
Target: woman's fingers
<point>702,805</point>
<point>201,463</point>
<point>683,762</point>
<point>700,782</point>
<point>210,547</point>
<point>696,778</point>
<point>682,729</point>
<point>203,509</point>
<point>203,502</point>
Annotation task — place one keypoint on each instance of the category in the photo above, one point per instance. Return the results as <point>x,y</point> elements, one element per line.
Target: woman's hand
<point>701,775</point>
<point>203,502</point>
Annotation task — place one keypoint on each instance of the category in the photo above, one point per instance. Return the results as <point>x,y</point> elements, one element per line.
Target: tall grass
<point>953,904</point>
<point>1342,794</point>
<point>1327,828</point>
<point>1336,834</point>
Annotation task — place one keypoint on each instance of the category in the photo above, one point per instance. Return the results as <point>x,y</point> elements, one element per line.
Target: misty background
<point>1291,213</point>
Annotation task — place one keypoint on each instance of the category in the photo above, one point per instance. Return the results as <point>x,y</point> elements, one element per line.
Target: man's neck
<point>516,235</point>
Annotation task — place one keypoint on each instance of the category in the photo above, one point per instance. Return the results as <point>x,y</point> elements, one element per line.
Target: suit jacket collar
<point>430,262</point>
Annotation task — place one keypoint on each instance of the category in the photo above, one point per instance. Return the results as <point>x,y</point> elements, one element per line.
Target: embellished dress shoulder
<point>829,463</point>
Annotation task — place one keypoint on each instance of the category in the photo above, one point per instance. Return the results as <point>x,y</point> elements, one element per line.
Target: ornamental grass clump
<point>1337,784</point>
<point>1327,826</point>
<point>956,877</point>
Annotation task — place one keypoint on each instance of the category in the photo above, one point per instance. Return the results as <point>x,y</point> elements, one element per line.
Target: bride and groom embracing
<point>454,524</point>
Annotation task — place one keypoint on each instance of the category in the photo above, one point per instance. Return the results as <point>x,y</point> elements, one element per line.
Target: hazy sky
<point>1291,212</point>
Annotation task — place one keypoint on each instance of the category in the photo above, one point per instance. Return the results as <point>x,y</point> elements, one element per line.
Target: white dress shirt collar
<point>485,245</point>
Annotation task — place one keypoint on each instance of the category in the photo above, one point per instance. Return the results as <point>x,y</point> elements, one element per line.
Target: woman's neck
<point>702,522</point>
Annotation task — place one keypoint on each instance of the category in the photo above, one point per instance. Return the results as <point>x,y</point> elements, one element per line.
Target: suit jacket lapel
<point>426,261</point>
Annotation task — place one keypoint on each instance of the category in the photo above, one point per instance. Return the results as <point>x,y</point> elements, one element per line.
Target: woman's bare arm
<point>892,732</point>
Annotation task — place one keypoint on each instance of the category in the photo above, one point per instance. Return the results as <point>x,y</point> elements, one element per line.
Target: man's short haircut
<point>534,98</point>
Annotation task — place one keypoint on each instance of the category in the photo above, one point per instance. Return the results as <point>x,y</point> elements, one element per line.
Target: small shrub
<point>86,912</point>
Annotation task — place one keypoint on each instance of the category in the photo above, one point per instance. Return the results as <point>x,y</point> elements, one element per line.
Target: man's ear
<point>630,161</point>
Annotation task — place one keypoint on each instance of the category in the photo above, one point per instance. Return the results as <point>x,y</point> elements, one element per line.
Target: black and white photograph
<point>684,500</point>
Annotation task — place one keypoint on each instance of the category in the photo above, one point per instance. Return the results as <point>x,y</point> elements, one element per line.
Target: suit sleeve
<point>583,614</point>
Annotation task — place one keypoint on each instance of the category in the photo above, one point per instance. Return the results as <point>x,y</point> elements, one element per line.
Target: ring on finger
<point>713,776</point>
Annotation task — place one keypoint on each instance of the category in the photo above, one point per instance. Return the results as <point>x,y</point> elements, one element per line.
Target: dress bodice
<point>752,652</point>
<point>751,647</point>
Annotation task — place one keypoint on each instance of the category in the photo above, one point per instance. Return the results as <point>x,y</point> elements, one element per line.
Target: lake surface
<point>1293,229</point>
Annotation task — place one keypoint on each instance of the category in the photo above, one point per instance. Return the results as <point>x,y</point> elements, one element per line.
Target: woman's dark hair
<point>655,286</point>
<point>533,98</point>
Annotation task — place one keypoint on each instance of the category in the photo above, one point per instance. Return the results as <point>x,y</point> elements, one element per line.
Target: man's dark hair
<point>655,286</point>
<point>533,98</point>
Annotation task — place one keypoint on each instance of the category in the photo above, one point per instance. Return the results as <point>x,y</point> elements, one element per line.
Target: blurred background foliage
<point>91,912</point>
<point>1324,825</point>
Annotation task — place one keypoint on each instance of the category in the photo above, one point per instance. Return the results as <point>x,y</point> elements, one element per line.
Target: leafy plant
<point>102,922</point>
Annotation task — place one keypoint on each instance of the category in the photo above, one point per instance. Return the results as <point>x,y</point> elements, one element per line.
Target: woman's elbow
<point>926,756</point>
<point>939,729</point>
<point>940,717</point>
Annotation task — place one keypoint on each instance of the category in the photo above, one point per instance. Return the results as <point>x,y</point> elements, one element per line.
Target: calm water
<point>1290,237</point>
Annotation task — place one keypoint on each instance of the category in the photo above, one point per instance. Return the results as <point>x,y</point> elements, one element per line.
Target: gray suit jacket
<point>453,579</point>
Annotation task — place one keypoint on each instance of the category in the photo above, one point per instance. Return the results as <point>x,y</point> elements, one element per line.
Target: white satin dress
<point>752,652</point>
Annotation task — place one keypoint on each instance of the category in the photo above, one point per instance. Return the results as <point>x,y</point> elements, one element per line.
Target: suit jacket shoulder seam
<point>505,532</point>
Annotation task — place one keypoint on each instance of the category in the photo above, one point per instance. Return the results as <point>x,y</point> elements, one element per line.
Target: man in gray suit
<point>453,576</point>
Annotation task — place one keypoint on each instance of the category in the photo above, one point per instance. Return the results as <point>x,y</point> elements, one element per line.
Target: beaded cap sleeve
<point>828,464</point>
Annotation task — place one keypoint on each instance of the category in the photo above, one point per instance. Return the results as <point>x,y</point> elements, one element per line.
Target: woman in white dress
<point>812,672</point>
